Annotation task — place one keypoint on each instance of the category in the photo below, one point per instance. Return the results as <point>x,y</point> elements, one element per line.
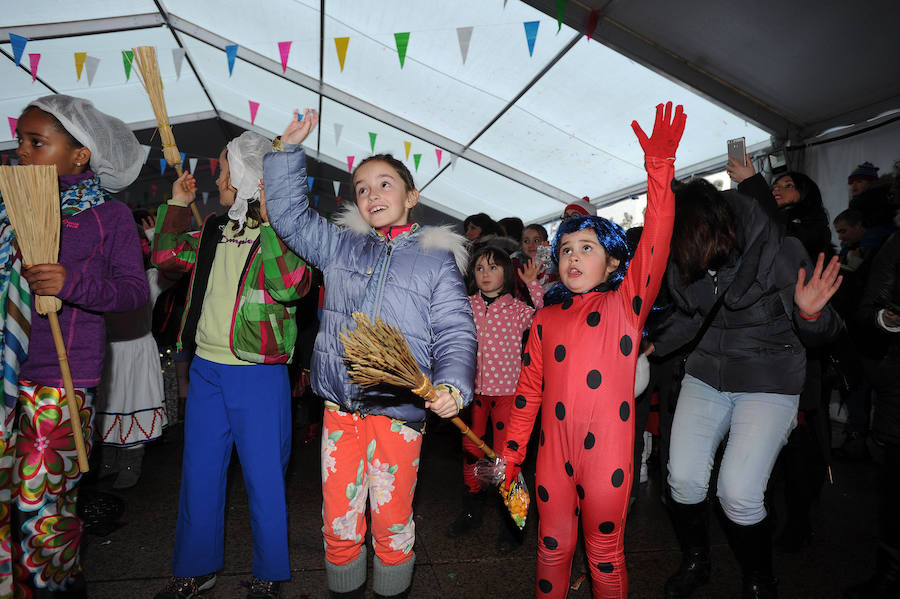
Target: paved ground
<point>133,561</point>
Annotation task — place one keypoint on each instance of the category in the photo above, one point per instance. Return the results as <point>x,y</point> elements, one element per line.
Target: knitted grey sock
<point>392,580</point>
<point>348,577</point>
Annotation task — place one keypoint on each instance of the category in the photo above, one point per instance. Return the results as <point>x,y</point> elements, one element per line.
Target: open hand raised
<point>297,131</point>
<point>667,131</point>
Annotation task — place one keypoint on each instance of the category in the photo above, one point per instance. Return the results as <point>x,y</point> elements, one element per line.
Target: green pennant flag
<point>560,11</point>
<point>416,159</point>
<point>372,137</point>
<point>127,60</point>
<point>402,40</point>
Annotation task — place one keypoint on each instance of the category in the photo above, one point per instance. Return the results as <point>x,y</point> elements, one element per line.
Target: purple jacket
<point>104,273</point>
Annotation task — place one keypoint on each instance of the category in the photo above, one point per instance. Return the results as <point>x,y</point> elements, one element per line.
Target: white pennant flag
<point>178,58</point>
<point>337,133</point>
<point>205,195</point>
<point>193,163</point>
<point>337,188</point>
<point>90,64</point>
<point>146,150</point>
<point>453,161</point>
<point>465,36</point>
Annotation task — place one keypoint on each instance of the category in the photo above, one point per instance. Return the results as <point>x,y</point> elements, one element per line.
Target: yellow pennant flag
<point>340,44</point>
<point>406,146</point>
<point>79,63</point>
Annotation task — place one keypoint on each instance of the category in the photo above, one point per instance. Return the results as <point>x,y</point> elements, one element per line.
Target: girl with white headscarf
<point>99,270</point>
<point>240,319</point>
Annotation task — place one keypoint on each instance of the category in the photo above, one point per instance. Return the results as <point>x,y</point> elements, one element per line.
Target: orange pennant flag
<point>340,44</point>
<point>79,63</point>
<point>406,147</point>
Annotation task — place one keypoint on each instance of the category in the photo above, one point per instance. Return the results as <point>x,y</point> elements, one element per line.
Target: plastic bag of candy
<point>516,497</point>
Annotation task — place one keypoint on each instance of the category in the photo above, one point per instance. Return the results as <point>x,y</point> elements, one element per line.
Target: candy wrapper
<point>516,498</point>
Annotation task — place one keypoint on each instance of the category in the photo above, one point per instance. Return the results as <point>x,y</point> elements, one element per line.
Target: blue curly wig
<point>610,235</point>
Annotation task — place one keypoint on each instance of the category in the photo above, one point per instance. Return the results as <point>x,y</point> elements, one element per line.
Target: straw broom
<point>31,194</point>
<point>376,353</point>
<point>148,74</point>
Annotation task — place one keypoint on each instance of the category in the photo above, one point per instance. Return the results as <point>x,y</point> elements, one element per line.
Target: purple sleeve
<point>116,282</point>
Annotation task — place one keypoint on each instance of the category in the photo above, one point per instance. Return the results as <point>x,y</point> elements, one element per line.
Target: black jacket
<point>754,340</point>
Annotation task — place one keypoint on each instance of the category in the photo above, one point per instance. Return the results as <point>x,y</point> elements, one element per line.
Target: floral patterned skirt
<point>39,477</point>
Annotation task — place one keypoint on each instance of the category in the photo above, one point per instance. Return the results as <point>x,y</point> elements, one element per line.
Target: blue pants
<point>758,426</point>
<point>248,407</point>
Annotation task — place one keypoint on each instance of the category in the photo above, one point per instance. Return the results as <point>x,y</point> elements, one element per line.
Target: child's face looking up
<point>381,195</point>
<point>488,277</point>
<point>227,193</point>
<point>583,261</point>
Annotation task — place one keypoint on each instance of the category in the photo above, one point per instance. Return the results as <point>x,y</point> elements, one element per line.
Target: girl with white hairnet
<point>99,270</point>
<point>241,323</point>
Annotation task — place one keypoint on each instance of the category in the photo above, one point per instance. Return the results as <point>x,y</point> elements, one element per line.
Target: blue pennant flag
<point>231,51</point>
<point>531,29</point>
<point>18,45</point>
<point>162,166</point>
<point>311,181</point>
<point>315,201</point>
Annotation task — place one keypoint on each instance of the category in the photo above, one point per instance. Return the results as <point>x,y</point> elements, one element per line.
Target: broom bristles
<point>377,353</point>
<point>31,195</point>
<point>148,74</point>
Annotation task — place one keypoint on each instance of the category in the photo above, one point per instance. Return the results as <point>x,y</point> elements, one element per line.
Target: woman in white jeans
<point>748,299</point>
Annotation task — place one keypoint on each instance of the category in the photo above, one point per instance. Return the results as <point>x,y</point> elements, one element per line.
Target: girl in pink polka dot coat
<point>500,321</point>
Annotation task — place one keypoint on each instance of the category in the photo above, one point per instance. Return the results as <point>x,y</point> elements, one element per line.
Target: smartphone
<point>542,256</point>
<point>737,149</point>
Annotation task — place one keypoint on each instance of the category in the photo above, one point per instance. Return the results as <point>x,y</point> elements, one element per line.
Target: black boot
<point>470,516</point>
<point>692,529</point>
<point>509,536</point>
<point>752,545</point>
<point>359,593</point>
<point>886,581</point>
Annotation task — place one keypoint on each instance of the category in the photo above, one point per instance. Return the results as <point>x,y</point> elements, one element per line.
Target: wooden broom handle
<point>74,412</point>
<point>194,210</point>
<point>426,391</point>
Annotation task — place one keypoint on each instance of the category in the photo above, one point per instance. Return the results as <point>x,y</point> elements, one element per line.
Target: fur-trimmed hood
<point>439,237</point>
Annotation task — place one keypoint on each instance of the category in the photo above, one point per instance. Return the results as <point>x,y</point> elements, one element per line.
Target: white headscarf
<point>116,155</point>
<point>245,163</point>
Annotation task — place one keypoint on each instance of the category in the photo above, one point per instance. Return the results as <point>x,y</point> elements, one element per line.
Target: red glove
<point>667,133</point>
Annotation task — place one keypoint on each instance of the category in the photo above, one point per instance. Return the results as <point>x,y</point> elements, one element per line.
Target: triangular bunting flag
<point>254,107</point>
<point>315,201</point>
<point>182,157</point>
<point>127,61</point>
<point>91,64</point>
<point>213,165</point>
<point>465,36</point>
<point>416,159</point>
<point>560,12</point>
<point>178,59</point>
<point>79,63</point>
<point>33,60</point>
<point>4,159</point>
<point>340,44</point>
<point>407,146</point>
<point>146,150</point>
<point>284,50</point>
<point>193,164</point>
<point>205,196</point>
<point>13,123</point>
<point>453,158</point>
<point>350,160</point>
<point>592,21</point>
<point>162,167</point>
<point>18,45</point>
<point>337,133</point>
<point>439,153</point>
<point>337,188</point>
<point>231,52</point>
<point>372,137</point>
<point>531,29</point>
<point>310,181</point>
<point>402,40</point>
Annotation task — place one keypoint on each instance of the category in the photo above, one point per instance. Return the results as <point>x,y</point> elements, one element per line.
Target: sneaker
<point>186,588</point>
<point>263,589</point>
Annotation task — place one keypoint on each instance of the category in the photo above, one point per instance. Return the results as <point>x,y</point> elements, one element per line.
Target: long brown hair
<point>703,237</point>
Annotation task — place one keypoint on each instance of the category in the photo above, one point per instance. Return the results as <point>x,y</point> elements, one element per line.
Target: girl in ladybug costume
<point>579,365</point>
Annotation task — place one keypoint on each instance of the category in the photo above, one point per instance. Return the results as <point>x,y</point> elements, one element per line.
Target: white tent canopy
<point>519,134</point>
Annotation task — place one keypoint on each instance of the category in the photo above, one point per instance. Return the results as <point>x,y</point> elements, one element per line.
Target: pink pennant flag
<point>438,153</point>
<point>4,159</point>
<point>284,49</point>
<point>254,106</point>
<point>213,165</point>
<point>13,123</point>
<point>350,160</point>
<point>34,59</point>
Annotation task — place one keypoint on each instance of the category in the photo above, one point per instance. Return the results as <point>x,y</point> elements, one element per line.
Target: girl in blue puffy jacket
<point>375,261</point>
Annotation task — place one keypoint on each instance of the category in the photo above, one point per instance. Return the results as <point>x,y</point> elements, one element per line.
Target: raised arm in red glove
<point>667,131</point>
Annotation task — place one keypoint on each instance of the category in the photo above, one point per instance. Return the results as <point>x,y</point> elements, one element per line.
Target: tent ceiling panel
<point>592,151</point>
<point>57,11</point>
<point>109,90</point>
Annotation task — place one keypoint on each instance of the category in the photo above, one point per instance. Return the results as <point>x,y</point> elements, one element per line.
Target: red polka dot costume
<point>579,366</point>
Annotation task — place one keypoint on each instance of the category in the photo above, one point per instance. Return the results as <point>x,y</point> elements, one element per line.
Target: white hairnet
<point>245,163</point>
<point>116,155</point>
